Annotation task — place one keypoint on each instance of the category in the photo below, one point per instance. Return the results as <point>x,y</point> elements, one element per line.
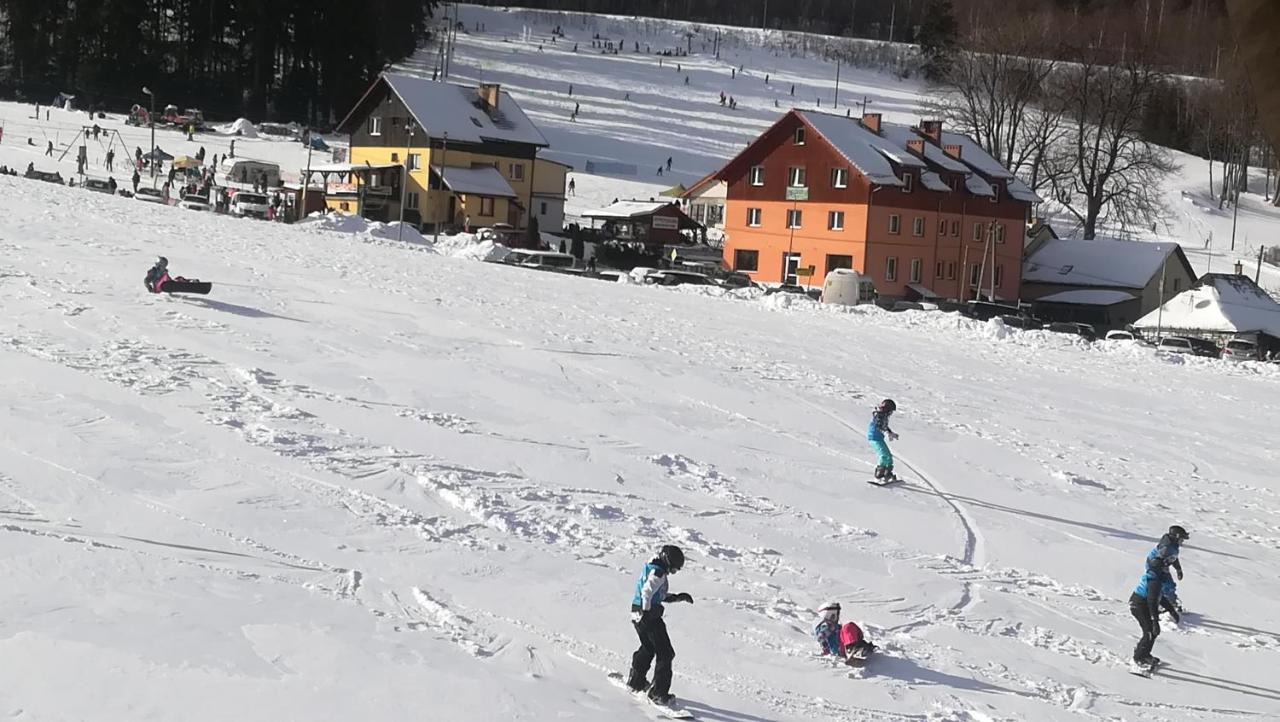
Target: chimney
<point>916,145</point>
<point>871,121</point>
<point>932,129</point>
<point>1239,268</point>
<point>952,150</point>
<point>489,96</point>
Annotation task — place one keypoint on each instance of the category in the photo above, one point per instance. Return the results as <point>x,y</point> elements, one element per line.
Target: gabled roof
<point>1100,262</point>
<point>900,134</point>
<point>702,183</point>
<point>866,151</point>
<point>456,110</point>
<point>1219,303</point>
<point>482,180</point>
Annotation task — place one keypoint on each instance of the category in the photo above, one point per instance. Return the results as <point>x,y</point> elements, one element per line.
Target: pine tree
<point>938,37</point>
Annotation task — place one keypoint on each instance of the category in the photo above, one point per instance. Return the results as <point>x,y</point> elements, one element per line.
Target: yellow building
<point>471,155</point>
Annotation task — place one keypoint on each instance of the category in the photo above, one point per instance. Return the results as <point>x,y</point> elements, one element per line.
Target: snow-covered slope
<point>663,117</point>
<point>364,481</point>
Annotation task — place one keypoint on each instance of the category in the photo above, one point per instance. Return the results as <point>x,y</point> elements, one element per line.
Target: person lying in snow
<point>159,281</point>
<point>845,641</point>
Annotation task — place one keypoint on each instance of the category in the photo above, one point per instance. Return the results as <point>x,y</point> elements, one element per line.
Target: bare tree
<point>1103,169</point>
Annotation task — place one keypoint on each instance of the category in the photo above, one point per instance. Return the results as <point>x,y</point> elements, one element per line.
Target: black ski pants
<point>654,644</point>
<point>1142,612</point>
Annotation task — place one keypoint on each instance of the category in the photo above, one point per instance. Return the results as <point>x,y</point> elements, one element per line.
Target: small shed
<point>1104,309</point>
<point>652,223</point>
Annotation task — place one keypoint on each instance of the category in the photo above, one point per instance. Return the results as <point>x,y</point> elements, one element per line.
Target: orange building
<point>922,212</point>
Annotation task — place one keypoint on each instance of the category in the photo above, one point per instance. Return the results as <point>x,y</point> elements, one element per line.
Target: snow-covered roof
<point>347,167</point>
<point>457,110</point>
<point>1022,192</point>
<point>481,181</point>
<point>627,209</point>
<point>1100,262</point>
<point>978,186</point>
<point>1088,297</point>
<point>933,181</point>
<point>858,145</point>
<point>900,134</point>
<point>1218,304</point>
<point>972,155</point>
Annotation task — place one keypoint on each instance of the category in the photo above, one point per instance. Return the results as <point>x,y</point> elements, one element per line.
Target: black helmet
<point>671,557</point>
<point>888,405</point>
<point>1178,534</point>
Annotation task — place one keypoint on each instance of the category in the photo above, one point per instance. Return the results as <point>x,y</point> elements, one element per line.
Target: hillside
<point>664,117</point>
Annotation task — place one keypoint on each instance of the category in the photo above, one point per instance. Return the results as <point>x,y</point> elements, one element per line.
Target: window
<point>835,221</point>
<point>344,206</point>
<point>800,135</point>
<point>790,263</point>
<point>891,269</point>
<point>917,267</point>
<point>375,125</point>
<point>756,176</point>
<point>793,218</point>
<point>544,208</point>
<point>1000,233</point>
<point>951,271</point>
<point>516,172</point>
<point>995,191</point>
<point>938,270</point>
<point>715,214</point>
<point>839,177</point>
<point>1000,275</point>
<point>834,262</point>
<point>975,274</point>
<point>917,226</point>
<point>486,206</point>
<point>908,182</point>
<point>415,161</point>
<point>955,228</point>
<point>747,261</point>
<point>942,226</point>
<point>753,217</point>
<point>395,157</point>
<point>894,223</point>
<point>411,201</point>
<point>796,177</point>
<point>1177,285</point>
<point>977,231</point>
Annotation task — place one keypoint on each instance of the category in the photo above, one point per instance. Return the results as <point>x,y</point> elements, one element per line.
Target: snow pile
<point>469,246</point>
<point>366,230</point>
<point>242,127</point>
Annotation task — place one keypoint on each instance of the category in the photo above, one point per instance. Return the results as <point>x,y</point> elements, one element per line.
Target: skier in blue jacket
<point>877,430</point>
<point>646,616</point>
<point>1145,602</point>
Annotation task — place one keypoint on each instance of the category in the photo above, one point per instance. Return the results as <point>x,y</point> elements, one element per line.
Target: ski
<point>662,711</point>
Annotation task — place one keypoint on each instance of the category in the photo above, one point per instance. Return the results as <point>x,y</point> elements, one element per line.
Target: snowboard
<point>199,287</point>
<point>1140,671</point>
<point>662,711</point>
<point>885,482</point>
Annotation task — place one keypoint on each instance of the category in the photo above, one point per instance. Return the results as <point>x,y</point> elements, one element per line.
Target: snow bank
<point>242,127</point>
<point>462,245</point>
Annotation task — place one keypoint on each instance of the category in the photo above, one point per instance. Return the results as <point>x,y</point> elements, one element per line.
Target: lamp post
<point>404,181</point>
<point>306,181</point>
<point>151,119</point>
<point>444,152</point>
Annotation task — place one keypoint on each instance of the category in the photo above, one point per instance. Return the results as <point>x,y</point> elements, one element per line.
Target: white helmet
<point>830,611</point>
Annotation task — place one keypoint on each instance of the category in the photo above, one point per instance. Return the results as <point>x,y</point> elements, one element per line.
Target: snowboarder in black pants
<point>646,617</point>
<point>1144,603</point>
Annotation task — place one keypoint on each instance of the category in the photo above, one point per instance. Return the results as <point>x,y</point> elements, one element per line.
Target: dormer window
<point>800,135</point>
<point>908,182</point>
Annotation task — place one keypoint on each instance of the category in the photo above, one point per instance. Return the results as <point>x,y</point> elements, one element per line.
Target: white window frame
<point>375,125</point>
<point>917,226</point>
<point>795,218</point>
<point>754,216</point>
<point>493,207</point>
<point>891,268</point>
<point>895,223</point>
<point>942,226</point>
<point>835,220</point>
<point>790,264</point>
<point>955,229</point>
<point>415,161</point>
<point>839,177</point>
<point>755,177</point>
<point>908,182</point>
<point>799,137</point>
<point>797,177</point>
<point>916,269</point>
<point>411,200</point>
<point>515,171</point>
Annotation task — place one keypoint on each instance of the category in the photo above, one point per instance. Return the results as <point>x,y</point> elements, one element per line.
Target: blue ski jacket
<point>1165,554</point>
<point>651,588</point>
<point>879,425</point>
<point>827,633</point>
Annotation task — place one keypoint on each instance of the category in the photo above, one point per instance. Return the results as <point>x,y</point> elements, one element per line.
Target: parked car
<point>1120,336</point>
<point>1083,330</point>
<point>814,293</point>
<point>737,280</point>
<point>252,205</point>
<point>1188,345</point>
<point>194,202</point>
<point>1026,323</point>
<point>985,310</point>
<point>496,232</point>
<point>544,260</point>
<point>639,273</point>
<point>1241,349</point>
<point>149,195</point>
<point>678,278</point>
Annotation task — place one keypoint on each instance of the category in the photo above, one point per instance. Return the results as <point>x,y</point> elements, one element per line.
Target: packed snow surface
<point>363,481</point>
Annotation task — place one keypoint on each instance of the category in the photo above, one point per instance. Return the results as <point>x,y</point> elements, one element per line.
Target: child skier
<point>1146,600</point>
<point>646,617</point>
<point>844,641</point>
<point>877,430</point>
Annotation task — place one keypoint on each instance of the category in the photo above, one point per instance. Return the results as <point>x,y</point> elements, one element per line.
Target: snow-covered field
<point>367,480</point>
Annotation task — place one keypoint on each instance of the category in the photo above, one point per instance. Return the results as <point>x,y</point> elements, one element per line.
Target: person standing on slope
<point>1144,603</point>
<point>877,430</point>
<point>646,616</point>
<point>1168,548</point>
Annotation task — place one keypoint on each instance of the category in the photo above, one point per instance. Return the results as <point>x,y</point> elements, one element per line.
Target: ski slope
<point>664,117</point>
<point>364,480</point>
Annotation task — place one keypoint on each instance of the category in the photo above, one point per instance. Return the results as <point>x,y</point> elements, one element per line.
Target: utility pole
<point>306,181</point>
<point>444,154</point>
<point>1257,275</point>
<point>1235,203</point>
<point>404,180</point>
<point>764,19</point>
<point>1160,311</point>
<point>152,120</point>
<point>836,102</point>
